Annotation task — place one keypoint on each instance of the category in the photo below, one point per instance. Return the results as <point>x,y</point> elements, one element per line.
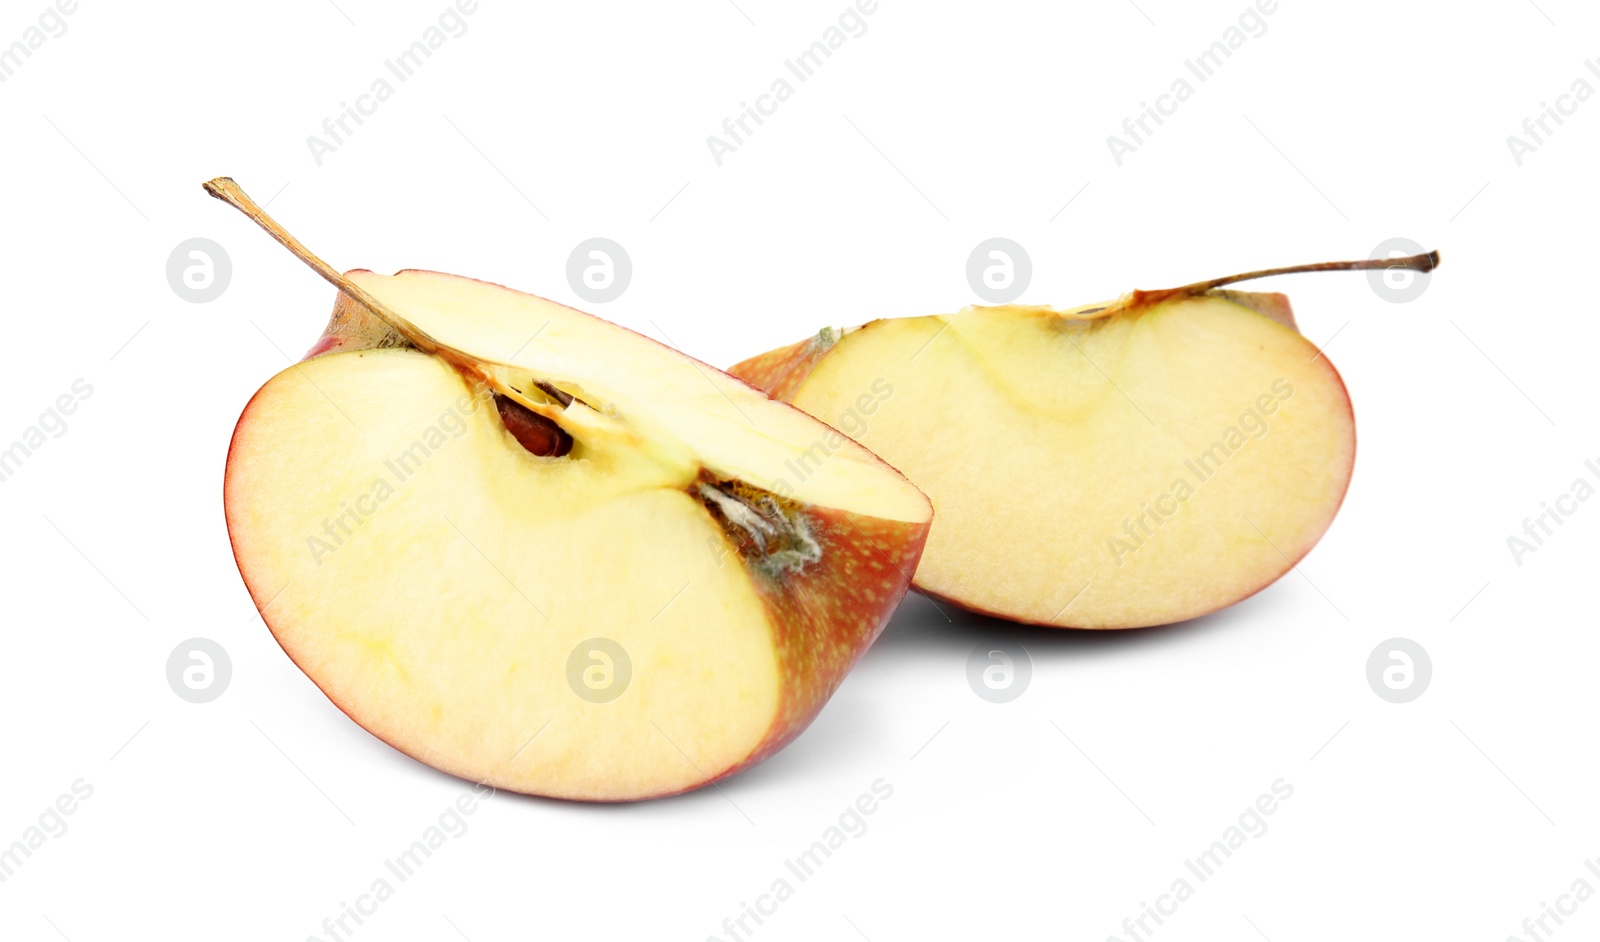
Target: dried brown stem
<point>225,189</point>
<point>1425,262</point>
<point>478,370</point>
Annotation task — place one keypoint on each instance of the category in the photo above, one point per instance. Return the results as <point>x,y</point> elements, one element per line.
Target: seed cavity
<point>537,434</point>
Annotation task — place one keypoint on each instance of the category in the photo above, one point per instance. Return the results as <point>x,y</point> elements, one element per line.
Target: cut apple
<point>1126,464</point>
<point>537,550</point>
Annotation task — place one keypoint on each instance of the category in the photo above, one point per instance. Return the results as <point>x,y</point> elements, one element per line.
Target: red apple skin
<point>824,617</point>
<point>353,327</point>
<point>828,614</point>
<point>780,373</point>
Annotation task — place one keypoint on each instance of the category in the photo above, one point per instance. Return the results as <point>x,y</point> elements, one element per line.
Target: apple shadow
<point>921,629</point>
<point>923,624</point>
<point>935,630</point>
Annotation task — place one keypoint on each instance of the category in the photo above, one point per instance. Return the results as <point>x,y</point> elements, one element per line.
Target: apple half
<point>1126,464</point>
<point>537,550</point>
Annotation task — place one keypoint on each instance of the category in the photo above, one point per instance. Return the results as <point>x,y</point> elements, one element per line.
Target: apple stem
<point>1425,262</point>
<point>478,370</point>
<point>225,189</point>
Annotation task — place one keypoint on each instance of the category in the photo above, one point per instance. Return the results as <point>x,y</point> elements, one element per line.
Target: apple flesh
<point>1126,464</point>
<point>534,549</point>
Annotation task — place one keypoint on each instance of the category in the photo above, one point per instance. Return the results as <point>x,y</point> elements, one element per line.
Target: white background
<point>1055,816</point>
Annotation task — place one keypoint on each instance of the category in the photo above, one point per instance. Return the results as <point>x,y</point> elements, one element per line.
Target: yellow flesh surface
<point>1041,441</point>
<point>443,619</point>
<point>731,428</point>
